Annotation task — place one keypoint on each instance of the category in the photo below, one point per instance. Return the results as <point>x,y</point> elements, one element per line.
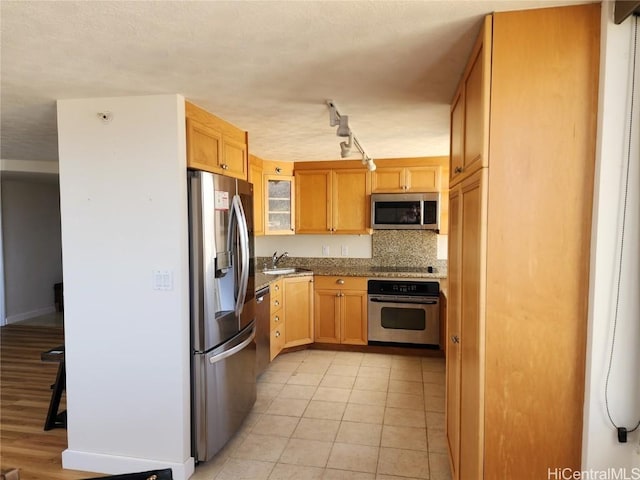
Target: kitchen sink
<point>283,270</point>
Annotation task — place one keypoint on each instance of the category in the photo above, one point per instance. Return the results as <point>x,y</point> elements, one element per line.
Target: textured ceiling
<point>266,67</point>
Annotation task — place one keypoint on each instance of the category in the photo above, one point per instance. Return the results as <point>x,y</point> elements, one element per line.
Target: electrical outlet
<point>344,250</point>
<point>325,250</point>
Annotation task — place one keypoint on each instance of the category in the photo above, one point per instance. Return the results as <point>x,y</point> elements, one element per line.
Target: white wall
<point>124,215</point>
<point>600,447</point>
<point>358,246</point>
<point>31,244</point>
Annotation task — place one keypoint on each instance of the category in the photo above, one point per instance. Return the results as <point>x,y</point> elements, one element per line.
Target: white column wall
<point>124,215</point>
<point>601,450</point>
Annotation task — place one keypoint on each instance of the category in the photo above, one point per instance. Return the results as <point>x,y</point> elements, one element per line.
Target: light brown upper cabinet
<point>332,200</point>
<point>279,198</point>
<point>525,109</point>
<point>470,113</point>
<point>214,145</point>
<point>405,175</point>
<point>255,177</point>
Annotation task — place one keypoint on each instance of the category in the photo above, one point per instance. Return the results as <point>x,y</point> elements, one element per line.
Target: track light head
<point>345,147</point>
<point>343,129</point>
<point>344,150</point>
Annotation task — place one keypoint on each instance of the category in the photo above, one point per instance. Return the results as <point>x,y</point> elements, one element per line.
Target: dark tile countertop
<point>262,280</point>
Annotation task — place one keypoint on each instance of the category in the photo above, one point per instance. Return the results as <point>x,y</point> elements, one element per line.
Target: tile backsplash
<point>389,248</point>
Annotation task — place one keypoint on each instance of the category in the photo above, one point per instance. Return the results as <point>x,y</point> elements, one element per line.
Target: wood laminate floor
<point>24,400</point>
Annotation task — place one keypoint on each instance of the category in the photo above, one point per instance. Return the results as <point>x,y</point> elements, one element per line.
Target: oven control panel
<point>403,287</point>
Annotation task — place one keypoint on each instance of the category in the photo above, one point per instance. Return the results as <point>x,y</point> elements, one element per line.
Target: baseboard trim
<point>33,313</point>
<point>115,465</point>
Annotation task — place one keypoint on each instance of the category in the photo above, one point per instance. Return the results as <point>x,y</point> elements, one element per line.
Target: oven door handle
<point>403,300</point>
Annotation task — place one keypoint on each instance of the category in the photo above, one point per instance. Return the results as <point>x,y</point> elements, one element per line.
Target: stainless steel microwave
<point>405,211</point>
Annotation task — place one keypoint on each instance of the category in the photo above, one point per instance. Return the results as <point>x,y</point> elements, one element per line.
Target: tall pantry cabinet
<point>523,124</point>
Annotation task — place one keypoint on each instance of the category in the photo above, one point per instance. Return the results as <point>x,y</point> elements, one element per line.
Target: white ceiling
<point>265,66</point>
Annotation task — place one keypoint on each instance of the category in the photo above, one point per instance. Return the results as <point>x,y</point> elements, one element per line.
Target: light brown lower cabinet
<point>341,310</point>
<point>298,311</point>
<point>277,318</point>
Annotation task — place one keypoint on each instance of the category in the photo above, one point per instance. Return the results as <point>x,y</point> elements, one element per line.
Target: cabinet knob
<point>455,339</point>
<point>277,334</point>
<point>340,281</point>
<point>224,166</point>
<point>276,287</point>
<point>458,170</point>
<point>276,319</point>
<point>276,303</point>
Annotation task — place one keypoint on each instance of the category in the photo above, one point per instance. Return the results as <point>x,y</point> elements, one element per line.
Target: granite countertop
<point>262,280</point>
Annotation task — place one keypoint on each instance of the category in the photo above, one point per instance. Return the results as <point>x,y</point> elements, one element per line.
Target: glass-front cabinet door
<point>279,204</point>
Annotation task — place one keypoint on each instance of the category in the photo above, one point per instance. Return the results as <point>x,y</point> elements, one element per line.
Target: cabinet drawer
<point>277,341</point>
<point>277,319</point>
<point>342,283</point>
<point>276,295</point>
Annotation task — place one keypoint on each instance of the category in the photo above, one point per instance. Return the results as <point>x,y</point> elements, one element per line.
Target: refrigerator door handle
<point>243,233</point>
<point>234,350</point>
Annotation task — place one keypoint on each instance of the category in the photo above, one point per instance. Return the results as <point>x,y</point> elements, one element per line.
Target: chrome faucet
<point>276,259</point>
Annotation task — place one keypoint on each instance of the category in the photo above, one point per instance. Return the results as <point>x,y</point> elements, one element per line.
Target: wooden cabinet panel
<point>402,179</point>
<point>333,201</point>
<point>470,111</point>
<point>234,158</point>
<point>277,340</point>
<point>541,67</point>
<point>350,202</point>
<point>204,146</point>
<point>326,315</point>
<point>255,177</point>
<point>341,310</point>
<point>547,102</point>
<point>277,318</point>
<point>473,136</point>
<point>313,199</point>
<point>457,137</point>
<point>388,180</point>
<point>354,327</point>
<point>298,310</point>
<point>452,409</point>
<point>471,386</point>
<point>422,179</point>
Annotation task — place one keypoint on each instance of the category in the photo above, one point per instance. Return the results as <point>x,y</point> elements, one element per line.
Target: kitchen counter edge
<point>262,280</point>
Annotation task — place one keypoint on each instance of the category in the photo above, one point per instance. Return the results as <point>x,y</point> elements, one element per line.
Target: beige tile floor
<point>341,415</point>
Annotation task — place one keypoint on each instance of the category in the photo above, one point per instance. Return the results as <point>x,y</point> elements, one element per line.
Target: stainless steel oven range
<point>404,311</point>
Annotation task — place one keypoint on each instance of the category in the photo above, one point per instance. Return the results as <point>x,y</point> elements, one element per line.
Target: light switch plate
<point>162,280</point>
<point>325,250</point>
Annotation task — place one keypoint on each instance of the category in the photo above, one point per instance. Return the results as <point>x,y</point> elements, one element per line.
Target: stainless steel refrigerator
<point>222,308</point>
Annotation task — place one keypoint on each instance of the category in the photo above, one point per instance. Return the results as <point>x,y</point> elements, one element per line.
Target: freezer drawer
<point>224,392</point>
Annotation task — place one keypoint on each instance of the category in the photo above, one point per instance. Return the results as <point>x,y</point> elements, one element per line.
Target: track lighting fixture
<point>345,147</point>
<point>342,122</point>
<point>343,128</point>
